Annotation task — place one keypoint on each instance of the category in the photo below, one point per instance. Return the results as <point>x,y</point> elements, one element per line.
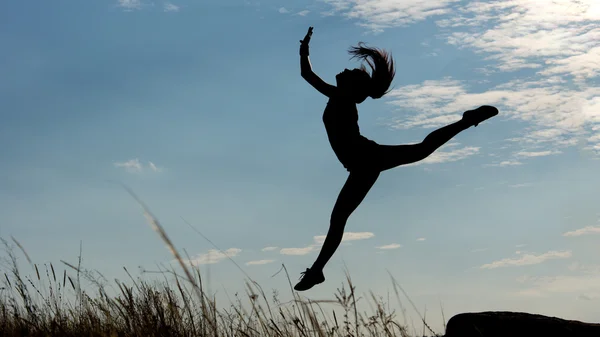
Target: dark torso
<point>341,122</point>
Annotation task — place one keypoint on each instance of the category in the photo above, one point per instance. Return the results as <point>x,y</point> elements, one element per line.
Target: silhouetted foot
<point>474,117</point>
<point>310,278</point>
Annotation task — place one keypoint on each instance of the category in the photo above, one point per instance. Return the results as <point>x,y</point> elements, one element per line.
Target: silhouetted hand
<point>304,43</point>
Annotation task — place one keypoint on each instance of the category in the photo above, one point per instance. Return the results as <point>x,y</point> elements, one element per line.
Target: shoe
<point>474,117</point>
<point>309,279</point>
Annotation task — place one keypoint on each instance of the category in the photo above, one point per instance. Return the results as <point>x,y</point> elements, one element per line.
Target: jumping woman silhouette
<point>363,158</point>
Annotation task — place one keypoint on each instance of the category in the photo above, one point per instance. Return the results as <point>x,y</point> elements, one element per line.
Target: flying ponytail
<point>381,64</point>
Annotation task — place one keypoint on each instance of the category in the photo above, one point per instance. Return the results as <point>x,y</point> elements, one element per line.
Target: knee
<point>338,219</point>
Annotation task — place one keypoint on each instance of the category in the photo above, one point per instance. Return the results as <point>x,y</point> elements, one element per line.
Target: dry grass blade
<point>156,226</point>
<point>396,284</point>
<point>22,249</point>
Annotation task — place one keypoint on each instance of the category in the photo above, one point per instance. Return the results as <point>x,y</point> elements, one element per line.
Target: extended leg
<point>352,194</point>
<point>390,156</point>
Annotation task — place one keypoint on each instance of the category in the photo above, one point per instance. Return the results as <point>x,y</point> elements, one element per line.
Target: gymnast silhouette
<point>363,158</point>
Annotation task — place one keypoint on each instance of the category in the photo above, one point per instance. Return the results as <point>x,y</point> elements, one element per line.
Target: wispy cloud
<point>298,251</point>
<point>537,153</point>
<point>378,15</point>
<point>213,256</point>
<point>442,156</point>
<point>303,13</point>
<point>153,167</point>
<point>505,163</point>
<point>520,34</point>
<point>135,166</point>
<point>283,10</point>
<point>268,249</point>
<point>259,262</point>
<point>528,259</point>
<point>421,239</point>
<point>583,231</point>
<point>348,236</point>
<point>129,5</point>
<point>170,7</point>
<point>132,165</point>
<point>319,239</point>
<point>390,246</point>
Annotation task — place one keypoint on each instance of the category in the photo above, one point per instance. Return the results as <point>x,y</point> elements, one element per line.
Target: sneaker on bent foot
<point>474,117</point>
<point>309,279</point>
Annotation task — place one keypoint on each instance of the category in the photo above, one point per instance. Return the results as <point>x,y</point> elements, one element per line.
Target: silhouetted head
<point>358,84</point>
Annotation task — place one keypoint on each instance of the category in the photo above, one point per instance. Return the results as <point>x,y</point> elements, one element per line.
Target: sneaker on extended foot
<point>474,117</point>
<point>309,279</point>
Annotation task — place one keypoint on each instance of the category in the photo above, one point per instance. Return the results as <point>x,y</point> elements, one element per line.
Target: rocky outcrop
<point>516,324</point>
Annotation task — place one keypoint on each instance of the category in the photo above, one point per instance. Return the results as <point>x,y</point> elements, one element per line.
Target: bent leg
<point>352,194</point>
<point>390,156</point>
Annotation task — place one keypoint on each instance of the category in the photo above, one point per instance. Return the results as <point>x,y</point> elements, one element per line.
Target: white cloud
<point>319,239</point>
<point>441,156</point>
<point>259,262</point>
<point>153,167</point>
<point>506,163</point>
<point>298,251</point>
<point>421,239</point>
<point>283,10</point>
<point>268,249</point>
<point>584,231</point>
<point>132,165</point>
<point>390,246</point>
<point>528,259</point>
<point>170,7</point>
<point>303,13</point>
<point>129,5</point>
<point>348,236</point>
<point>380,14</point>
<point>521,34</point>
<point>536,153</point>
<point>213,256</point>
<point>135,166</point>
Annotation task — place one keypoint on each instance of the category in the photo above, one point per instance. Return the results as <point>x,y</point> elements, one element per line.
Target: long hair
<point>382,66</point>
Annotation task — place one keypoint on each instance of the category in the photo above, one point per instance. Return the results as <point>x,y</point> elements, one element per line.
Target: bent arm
<point>314,80</point>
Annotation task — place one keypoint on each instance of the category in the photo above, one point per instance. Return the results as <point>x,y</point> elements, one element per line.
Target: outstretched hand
<point>304,43</point>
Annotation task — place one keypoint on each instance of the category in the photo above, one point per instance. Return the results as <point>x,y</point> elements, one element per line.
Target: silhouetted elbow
<point>307,75</point>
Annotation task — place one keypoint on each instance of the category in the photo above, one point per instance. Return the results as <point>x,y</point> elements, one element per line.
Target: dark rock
<point>516,324</point>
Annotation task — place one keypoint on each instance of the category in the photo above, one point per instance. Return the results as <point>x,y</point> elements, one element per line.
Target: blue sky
<point>199,107</point>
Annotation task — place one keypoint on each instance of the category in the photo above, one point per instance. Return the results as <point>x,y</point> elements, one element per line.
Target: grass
<point>51,304</point>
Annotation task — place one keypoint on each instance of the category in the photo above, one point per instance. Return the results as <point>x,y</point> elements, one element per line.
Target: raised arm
<point>307,72</point>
